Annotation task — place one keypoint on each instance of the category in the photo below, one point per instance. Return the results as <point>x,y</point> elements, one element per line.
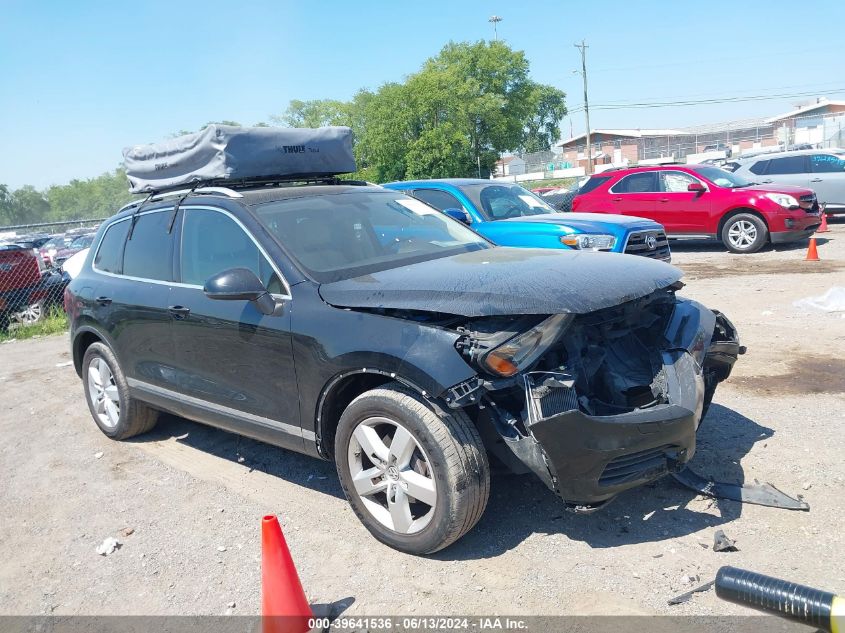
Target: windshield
<point>500,202</point>
<point>340,236</point>
<point>722,178</point>
<point>82,241</point>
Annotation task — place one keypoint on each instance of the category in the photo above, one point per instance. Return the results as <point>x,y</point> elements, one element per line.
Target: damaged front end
<point>596,403</point>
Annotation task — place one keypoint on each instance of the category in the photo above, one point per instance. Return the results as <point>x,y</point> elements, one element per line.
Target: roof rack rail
<point>173,193</point>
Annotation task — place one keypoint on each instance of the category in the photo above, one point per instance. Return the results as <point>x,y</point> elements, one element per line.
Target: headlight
<point>590,241</point>
<point>784,200</point>
<point>522,350</point>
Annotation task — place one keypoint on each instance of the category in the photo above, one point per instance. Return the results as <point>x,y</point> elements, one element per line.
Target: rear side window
<point>148,251</point>
<point>642,182</point>
<point>759,167</point>
<point>213,242</point>
<point>788,165</point>
<point>109,257</point>
<point>440,200</point>
<point>592,183</point>
<point>827,163</point>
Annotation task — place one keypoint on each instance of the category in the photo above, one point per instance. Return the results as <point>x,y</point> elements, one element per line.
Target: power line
<point>667,104</point>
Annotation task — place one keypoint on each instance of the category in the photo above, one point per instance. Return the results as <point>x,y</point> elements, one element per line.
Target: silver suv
<point>822,170</point>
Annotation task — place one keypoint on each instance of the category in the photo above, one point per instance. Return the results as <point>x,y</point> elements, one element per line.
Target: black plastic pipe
<point>821,609</point>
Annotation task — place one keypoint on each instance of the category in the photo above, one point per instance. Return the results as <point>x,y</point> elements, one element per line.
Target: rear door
<point>134,266</point>
<point>683,210</point>
<point>787,170</point>
<point>827,178</point>
<point>234,365</point>
<point>636,194</point>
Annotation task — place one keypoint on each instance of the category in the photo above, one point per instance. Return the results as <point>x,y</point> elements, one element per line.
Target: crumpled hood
<point>503,281</point>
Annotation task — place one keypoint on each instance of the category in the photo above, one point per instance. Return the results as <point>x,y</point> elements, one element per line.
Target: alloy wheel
<point>31,314</point>
<point>103,393</point>
<point>742,234</point>
<point>392,475</point>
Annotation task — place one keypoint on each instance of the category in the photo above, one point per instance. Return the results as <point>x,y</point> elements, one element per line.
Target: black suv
<point>356,324</point>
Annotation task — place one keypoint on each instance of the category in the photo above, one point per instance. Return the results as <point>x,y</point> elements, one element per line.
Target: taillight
<point>39,259</point>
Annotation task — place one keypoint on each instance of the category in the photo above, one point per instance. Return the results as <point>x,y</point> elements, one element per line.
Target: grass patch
<point>54,322</point>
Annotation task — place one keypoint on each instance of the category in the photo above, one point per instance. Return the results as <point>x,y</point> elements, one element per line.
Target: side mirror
<point>697,187</point>
<point>239,284</point>
<point>459,214</point>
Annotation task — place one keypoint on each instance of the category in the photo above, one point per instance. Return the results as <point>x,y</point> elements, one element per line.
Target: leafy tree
<point>548,108</point>
<point>315,113</point>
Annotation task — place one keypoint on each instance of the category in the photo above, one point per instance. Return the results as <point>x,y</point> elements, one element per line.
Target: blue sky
<point>79,80</point>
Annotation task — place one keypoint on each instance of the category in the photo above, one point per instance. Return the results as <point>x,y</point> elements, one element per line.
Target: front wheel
<point>744,233</point>
<point>418,480</point>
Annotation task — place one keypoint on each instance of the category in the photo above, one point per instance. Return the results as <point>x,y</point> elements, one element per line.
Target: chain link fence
<point>32,270</point>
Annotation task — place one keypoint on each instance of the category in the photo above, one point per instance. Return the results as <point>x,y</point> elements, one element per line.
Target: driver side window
<point>213,242</point>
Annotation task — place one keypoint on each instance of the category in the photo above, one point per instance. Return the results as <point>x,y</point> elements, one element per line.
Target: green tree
<point>314,113</point>
<point>548,107</point>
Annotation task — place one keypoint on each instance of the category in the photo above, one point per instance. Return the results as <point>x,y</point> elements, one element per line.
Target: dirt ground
<point>194,496</point>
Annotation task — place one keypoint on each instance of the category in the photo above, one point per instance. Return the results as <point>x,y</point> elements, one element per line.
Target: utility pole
<point>583,47</point>
<point>494,20</point>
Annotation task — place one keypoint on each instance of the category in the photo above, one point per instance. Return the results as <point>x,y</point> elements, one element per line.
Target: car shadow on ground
<point>522,507</point>
<point>309,472</point>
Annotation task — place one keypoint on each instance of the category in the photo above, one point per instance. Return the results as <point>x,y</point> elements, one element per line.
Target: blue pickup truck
<point>510,215</point>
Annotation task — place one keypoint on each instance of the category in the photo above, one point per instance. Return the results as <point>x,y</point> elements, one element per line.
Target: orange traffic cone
<point>284,606</point>
<point>823,226</point>
<point>812,253</point>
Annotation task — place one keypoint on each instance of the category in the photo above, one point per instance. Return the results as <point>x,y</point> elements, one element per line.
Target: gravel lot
<point>194,496</point>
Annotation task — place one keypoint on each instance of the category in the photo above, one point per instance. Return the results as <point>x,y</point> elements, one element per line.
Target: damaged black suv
<point>356,324</point>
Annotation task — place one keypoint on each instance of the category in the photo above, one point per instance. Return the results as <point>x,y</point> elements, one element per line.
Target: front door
<point>683,211</point>
<point>234,364</point>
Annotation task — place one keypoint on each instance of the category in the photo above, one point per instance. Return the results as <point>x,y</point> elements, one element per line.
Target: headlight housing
<point>590,241</point>
<point>522,350</point>
<point>784,200</point>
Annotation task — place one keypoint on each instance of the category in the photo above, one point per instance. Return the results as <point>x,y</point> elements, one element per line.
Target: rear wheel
<point>417,480</point>
<point>744,233</point>
<point>119,415</point>
<point>31,314</point>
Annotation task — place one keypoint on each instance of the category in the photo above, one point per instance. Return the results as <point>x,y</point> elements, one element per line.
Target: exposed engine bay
<point>600,402</point>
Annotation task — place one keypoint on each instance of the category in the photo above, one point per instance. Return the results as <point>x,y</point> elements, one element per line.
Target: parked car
<point>78,243</point>
<point>510,215</point>
<point>356,324</point>
<point>541,190</point>
<point>821,170</point>
<point>27,289</point>
<point>700,201</point>
<point>52,246</point>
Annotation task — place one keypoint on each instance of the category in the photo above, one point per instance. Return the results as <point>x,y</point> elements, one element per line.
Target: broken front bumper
<point>589,459</point>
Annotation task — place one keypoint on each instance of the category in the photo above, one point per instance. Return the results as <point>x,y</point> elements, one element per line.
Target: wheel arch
<point>736,211</point>
<point>83,338</point>
<point>339,392</point>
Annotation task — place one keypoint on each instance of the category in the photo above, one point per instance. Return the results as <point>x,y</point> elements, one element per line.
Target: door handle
<point>816,180</point>
<point>103,301</point>
<point>663,200</point>
<point>179,312</point>
<point>616,199</point>
<point>766,182</point>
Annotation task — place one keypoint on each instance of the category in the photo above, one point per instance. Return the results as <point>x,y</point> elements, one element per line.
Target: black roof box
<point>220,153</point>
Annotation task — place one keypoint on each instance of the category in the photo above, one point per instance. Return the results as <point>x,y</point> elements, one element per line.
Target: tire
<point>31,314</point>
<point>133,417</point>
<point>744,233</point>
<point>447,464</point>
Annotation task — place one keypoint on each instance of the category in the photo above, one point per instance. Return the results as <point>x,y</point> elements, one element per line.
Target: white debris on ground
<point>65,364</point>
<point>831,301</point>
<point>108,546</point>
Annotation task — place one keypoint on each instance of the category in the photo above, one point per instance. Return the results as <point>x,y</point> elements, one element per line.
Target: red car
<point>701,201</point>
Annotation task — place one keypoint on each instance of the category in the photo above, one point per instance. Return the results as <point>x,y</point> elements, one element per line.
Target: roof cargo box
<point>232,153</point>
